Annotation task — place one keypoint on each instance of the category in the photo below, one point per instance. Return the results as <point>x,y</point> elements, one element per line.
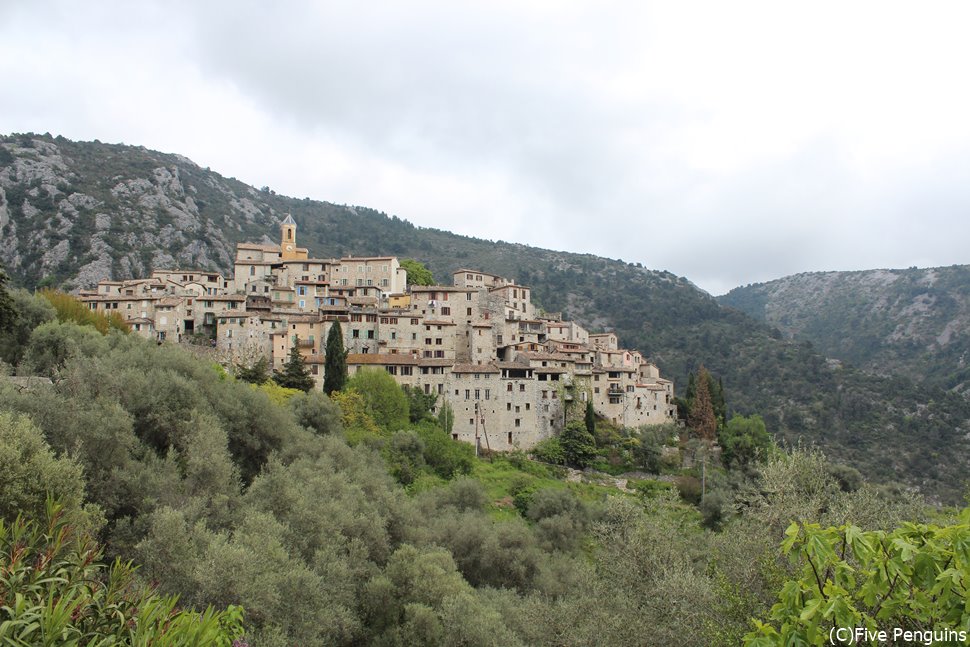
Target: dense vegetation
<point>88,200</point>
<point>911,322</point>
<point>357,520</point>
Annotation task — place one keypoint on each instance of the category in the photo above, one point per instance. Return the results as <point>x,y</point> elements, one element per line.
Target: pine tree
<point>295,374</point>
<point>255,374</point>
<point>701,418</point>
<point>335,367</point>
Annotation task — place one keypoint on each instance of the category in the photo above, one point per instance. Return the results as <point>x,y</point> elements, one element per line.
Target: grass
<point>505,479</point>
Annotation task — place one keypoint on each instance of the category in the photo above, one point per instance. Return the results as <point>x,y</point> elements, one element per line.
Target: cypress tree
<point>590,418</point>
<point>335,364</point>
<point>701,418</point>
<point>295,374</point>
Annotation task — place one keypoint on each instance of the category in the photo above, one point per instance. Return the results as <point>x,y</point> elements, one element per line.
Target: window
<point>510,437</point>
<point>391,369</point>
<point>468,297</point>
<point>478,394</point>
<point>508,406</point>
<point>445,310</point>
<point>528,406</point>
<point>439,353</point>
<point>468,394</point>
<point>438,341</point>
<point>487,393</point>
<point>518,422</point>
<point>414,322</point>
<point>355,333</point>
<point>407,370</point>
<point>509,389</point>
<point>427,341</point>
<point>370,334</point>
<point>522,388</point>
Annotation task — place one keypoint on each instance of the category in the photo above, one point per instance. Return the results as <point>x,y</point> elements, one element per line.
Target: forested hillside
<point>294,518</point>
<point>913,323</point>
<point>73,213</point>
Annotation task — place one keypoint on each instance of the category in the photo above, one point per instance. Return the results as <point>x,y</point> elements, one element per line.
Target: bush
<point>550,451</point>
<point>64,598</point>
<point>316,412</point>
<point>689,488</point>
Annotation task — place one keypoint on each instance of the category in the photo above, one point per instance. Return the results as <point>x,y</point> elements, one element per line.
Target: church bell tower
<point>288,238</point>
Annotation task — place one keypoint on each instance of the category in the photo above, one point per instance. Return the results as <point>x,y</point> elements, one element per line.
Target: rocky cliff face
<point>913,322</point>
<point>72,214</point>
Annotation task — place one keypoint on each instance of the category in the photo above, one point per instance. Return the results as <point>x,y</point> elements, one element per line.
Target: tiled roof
<point>396,359</point>
<point>475,368</point>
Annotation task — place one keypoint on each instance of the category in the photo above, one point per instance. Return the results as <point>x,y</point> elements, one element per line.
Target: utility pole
<point>478,441</point>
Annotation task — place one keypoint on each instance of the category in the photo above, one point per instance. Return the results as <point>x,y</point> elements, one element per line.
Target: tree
<point>8,314</point>
<point>295,374</point>
<point>420,403</point>
<point>701,418</point>
<point>316,412</point>
<point>31,311</point>
<point>29,471</point>
<point>335,366</point>
<point>53,343</point>
<point>578,445</point>
<point>255,373</point>
<point>446,417</point>
<point>744,441</point>
<point>590,418</point>
<point>418,274</point>
<point>385,400</point>
<point>910,582</point>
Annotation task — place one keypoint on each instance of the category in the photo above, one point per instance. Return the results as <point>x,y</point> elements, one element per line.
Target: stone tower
<point>288,238</point>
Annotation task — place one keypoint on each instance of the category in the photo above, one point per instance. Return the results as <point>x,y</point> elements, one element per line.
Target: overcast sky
<point>728,142</point>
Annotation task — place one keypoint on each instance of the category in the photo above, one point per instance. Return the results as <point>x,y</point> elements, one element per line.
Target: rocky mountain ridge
<point>908,322</point>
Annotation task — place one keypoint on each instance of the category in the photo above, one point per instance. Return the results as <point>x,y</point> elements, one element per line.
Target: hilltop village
<point>509,373</point>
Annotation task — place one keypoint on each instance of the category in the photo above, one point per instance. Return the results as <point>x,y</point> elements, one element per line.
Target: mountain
<point>72,213</point>
<point>913,323</point>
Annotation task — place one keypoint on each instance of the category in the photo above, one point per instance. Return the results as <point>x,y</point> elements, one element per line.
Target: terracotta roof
<point>475,368</point>
<point>428,361</point>
<point>440,288</point>
<point>396,359</point>
<point>513,365</point>
<point>435,322</point>
<point>557,357</point>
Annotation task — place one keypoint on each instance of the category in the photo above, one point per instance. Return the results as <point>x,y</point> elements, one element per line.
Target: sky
<point>727,142</point>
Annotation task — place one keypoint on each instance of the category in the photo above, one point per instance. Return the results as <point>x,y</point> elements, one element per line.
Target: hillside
<point>72,213</point>
<point>913,323</point>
